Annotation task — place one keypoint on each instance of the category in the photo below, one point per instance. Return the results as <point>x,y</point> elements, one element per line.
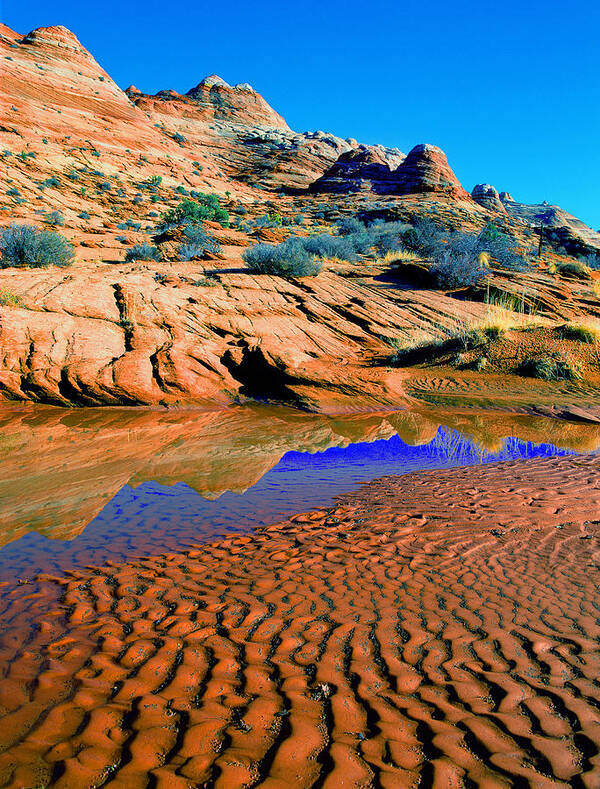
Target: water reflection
<point>113,485</point>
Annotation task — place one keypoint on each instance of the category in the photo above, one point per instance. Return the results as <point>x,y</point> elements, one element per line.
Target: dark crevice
<point>260,379</point>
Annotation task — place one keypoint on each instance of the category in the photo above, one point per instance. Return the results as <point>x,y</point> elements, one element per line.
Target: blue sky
<point>510,90</point>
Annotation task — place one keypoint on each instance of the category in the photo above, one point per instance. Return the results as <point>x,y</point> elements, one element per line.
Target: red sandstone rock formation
<point>238,103</point>
<point>424,170</point>
<point>361,169</point>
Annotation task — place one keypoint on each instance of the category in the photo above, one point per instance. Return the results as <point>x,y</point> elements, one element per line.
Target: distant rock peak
<point>487,196</point>
<point>57,36</point>
<point>383,171</point>
<point>213,80</point>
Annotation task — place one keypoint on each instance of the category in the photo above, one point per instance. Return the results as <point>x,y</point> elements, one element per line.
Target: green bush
<point>204,207</point>
<point>289,259</point>
<point>28,246</point>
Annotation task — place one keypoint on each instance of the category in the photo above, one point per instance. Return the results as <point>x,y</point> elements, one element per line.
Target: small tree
<point>204,207</point>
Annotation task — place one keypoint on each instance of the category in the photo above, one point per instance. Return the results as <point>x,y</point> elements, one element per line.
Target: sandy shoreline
<point>440,626</point>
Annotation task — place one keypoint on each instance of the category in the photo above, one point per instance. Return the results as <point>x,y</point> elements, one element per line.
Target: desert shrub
<point>197,242</point>
<point>129,225</point>
<point>299,219</point>
<point>424,237</point>
<point>155,180</point>
<point>104,186</point>
<point>266,220</point>
<point>13,192</point>
<point>209,281</point>
<point>73,175</point>
<point>28,246</point>
<point>324,245</point>
<point>593,262</point>
<point>349,225</point>
<point>54,218</point>
<point>52,181</point>
<point>143,251</point>
<point>190,251</point>
<point>384,237</point>
<point>549,368</point>
<point>289,259</point>
<point>502,248</point>
<point>456,264</point>
<point>83,215</point>
<point>121,239</point>
<point>138,199</point>
<point>178,137</point>
<point>458,250</point>
<point>206,206</point>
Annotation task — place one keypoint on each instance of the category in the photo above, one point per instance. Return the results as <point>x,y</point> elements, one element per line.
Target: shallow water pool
<point>98,487</point>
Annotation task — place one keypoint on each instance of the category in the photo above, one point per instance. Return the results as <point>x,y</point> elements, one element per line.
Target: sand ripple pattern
<point>437,629</point>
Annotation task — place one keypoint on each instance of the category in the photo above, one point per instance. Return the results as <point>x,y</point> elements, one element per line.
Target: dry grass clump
<point>508,311</point>
<point>10,299</point>
<point>423,345</point>
<point>574,269</point>
<point>587,331</point>
<point>400,256</point>
<point>551,367</point>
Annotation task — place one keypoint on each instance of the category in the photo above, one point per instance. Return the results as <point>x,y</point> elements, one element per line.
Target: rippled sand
<point>441,627</point>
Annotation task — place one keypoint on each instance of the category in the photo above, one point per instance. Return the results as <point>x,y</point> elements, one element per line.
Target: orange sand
<point>440,627</point>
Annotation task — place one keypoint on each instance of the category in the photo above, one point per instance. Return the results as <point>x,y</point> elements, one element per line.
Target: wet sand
<point>435,629</point>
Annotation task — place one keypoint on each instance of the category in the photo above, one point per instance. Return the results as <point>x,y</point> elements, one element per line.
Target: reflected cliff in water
<point>146,481</point>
